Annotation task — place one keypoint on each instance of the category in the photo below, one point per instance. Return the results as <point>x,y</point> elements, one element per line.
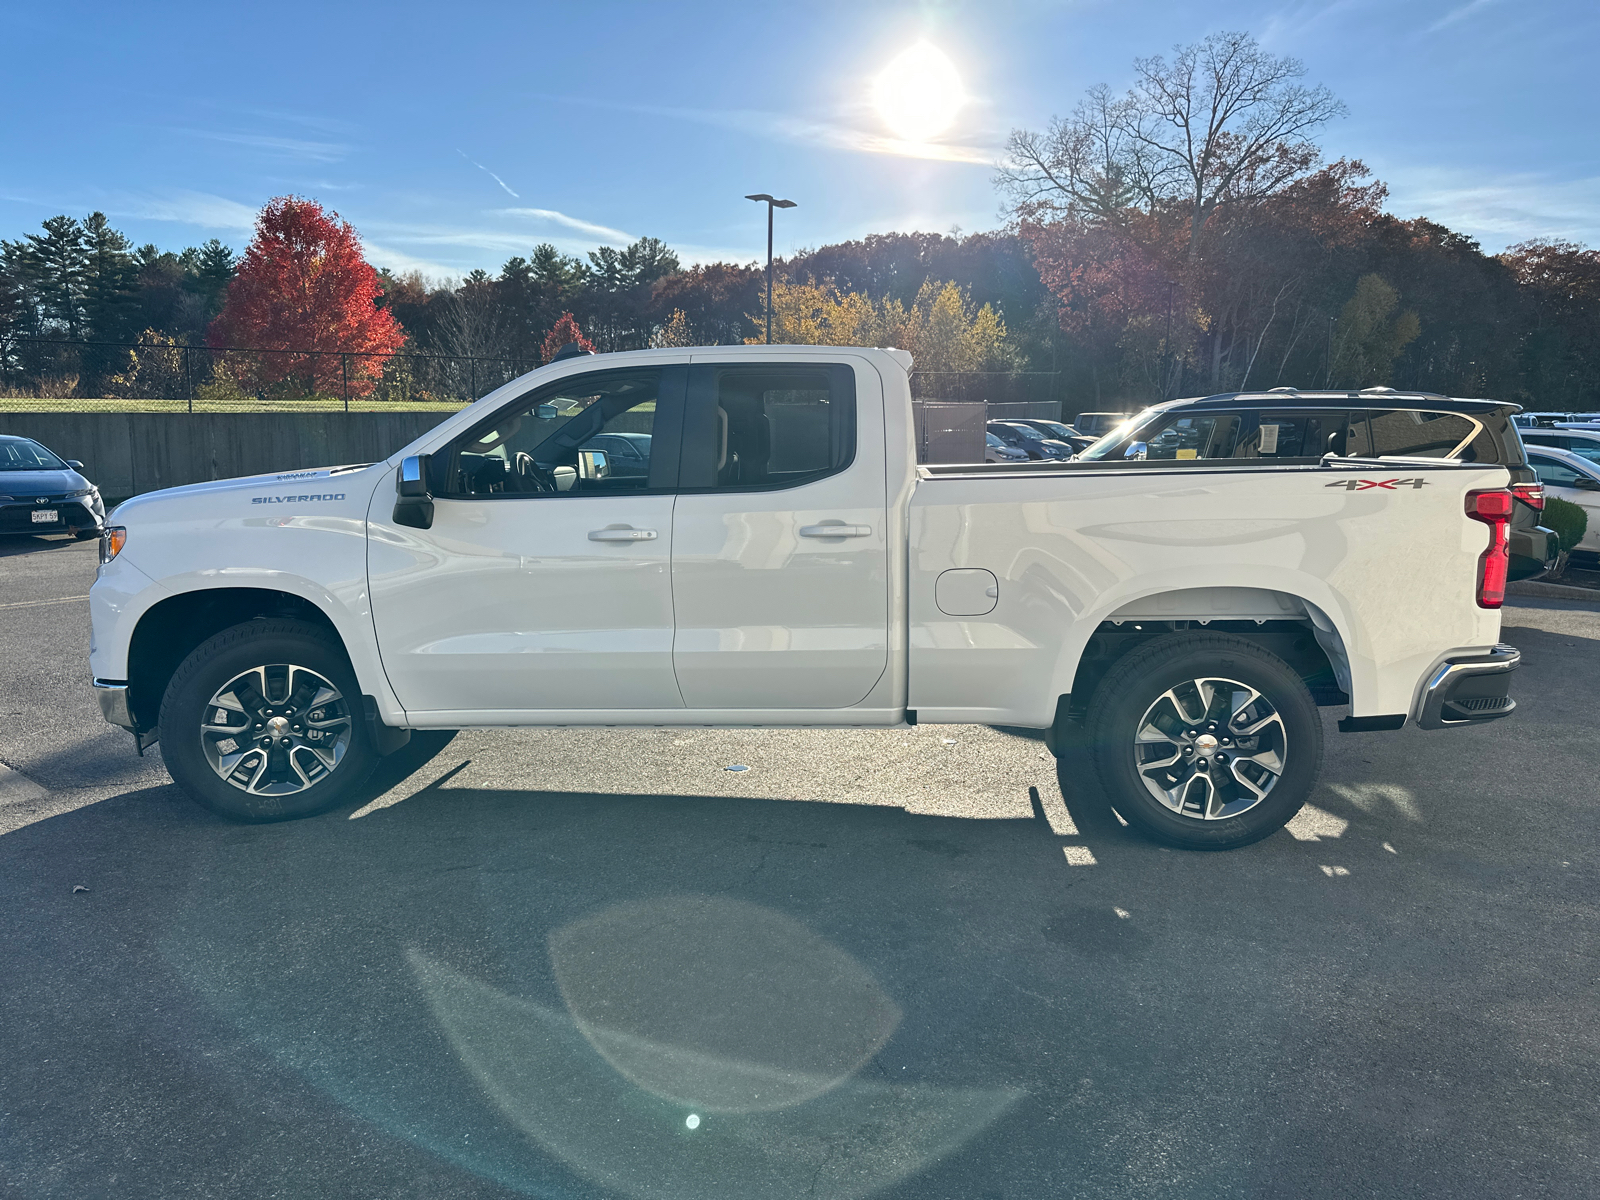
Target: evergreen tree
<point>109,276</point>
<point>54,264</point>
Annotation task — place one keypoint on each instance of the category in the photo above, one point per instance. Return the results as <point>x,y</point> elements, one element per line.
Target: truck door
<point>543,583</point>
<point>779,552</point>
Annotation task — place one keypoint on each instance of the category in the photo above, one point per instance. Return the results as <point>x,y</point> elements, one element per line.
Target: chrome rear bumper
<point>1470,689</point>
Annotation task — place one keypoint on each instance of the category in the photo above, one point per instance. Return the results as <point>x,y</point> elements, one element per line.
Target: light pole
<point>1166,343</point>
<point>771,204</point>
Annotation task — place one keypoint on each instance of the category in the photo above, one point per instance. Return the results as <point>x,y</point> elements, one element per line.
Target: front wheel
<point>1205,741</point>
<point>263,722</point>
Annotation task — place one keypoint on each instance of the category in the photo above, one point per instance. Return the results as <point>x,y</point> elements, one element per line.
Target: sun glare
<point>919,93</point>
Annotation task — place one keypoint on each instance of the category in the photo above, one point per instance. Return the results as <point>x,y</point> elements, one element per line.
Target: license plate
<point>45,516</point>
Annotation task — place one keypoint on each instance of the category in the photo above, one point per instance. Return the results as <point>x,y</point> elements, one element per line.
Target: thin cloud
<point>1460,14</point>
<point>805,131</point>
<point>491,175</point>
<point>604,232</point>
<point>401,263</point>
<point>285,147</point>
<point>1501,210</point>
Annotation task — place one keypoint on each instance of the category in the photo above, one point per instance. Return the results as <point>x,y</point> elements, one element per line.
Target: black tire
<point>219,660</point>
<point>1130,692</point>
<point>83,535</point>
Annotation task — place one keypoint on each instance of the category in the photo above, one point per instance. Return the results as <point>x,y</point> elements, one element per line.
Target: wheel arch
<point>172,627</point>
<point>1292,626</point>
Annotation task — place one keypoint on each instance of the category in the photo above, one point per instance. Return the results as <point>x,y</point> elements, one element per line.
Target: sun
<point>919,93</point>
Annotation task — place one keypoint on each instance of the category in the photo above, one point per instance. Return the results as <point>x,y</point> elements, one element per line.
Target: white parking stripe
<point>38,603</point>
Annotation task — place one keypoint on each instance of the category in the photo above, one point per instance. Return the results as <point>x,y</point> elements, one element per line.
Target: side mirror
<point>75,465</point>
<point>546,412</point>
<point>593,464</point>
<point>1137,450</point>
<point>413,504</point>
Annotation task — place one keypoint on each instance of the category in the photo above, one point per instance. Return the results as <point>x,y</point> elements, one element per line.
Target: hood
<point>276,481</point>
<point>28,484</point>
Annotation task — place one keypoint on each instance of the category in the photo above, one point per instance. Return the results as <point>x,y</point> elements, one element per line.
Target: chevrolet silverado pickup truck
<point>742,536</point>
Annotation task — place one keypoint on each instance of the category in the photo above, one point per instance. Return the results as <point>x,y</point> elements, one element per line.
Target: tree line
<point>1183,236</point>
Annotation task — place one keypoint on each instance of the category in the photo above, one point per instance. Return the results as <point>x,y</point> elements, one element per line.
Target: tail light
<point>1493,508</point>
<point>1531,494</point>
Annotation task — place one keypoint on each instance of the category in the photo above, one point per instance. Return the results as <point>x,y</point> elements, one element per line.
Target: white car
<point>784,561</point>
<point>1573,477</point>
<point>994,450</point>
<point>1582,442</point>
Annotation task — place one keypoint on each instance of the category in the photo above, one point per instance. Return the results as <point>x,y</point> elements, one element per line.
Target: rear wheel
<point>263,722</point>
<point>1205,741</point>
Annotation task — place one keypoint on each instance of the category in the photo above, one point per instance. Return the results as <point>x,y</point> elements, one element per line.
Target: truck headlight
<point>111,542</point>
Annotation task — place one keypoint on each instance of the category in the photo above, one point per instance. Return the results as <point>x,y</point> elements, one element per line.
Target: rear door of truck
<point>780,560</point>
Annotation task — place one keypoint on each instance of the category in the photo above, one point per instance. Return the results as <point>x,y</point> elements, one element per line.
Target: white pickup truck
<point>742,536</point>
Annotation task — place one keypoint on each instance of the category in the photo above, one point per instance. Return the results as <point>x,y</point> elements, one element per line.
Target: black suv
<point>1288,425</point>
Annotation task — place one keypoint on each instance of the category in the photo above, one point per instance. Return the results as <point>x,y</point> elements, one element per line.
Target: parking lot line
<point>40,603</point>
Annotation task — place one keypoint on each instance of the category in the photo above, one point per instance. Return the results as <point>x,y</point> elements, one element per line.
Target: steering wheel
<point>530,472</point>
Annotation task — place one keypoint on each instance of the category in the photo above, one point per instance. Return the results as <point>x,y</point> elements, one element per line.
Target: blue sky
<point>456,135</point>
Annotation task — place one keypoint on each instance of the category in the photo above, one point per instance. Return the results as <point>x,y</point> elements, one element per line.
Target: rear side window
<point>763,427</point>
<point>1410,433</point>
<point>1296,434</point>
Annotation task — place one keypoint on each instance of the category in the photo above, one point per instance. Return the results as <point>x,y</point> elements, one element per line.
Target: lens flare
<point>919,93</point>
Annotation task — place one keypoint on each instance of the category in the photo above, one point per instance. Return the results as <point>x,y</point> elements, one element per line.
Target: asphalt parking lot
<point>911,964</point>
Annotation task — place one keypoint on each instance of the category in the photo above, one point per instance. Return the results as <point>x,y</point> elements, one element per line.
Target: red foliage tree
<point>565,330</point>
<point>303,285</point>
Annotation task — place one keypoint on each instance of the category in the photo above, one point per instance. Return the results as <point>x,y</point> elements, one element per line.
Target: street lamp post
<point>771,204</point>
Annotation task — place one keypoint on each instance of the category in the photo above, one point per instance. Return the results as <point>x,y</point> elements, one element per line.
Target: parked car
<point>1551,420</point>
<point>1029,440</point>
<point>786,561</point>
<point>1098,424</point>
<point>1582,442</point>
<point>1574,478</point>
<point>994,450</point>
<point>1287,425</point>
<point>1057,431</point>
<point>40,492</point>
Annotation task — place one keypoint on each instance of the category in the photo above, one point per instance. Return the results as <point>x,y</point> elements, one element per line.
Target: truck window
<point>531,446</point>
<point>1294,434</point>
<point>767,427</point>
<point>1179,437</point>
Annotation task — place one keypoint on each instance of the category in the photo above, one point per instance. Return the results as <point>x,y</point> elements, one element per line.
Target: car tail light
<point>111,542</point>
<point>1531,494</point>
<point>1493,508</point>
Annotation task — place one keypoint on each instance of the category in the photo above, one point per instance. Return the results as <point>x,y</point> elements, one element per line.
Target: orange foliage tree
<point>303,285</point>
<point>565,330</point>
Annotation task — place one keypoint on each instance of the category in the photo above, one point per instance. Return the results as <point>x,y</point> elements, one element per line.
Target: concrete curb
<point>1553,591</point>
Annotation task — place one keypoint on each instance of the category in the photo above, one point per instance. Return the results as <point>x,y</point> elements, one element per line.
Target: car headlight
<point>111,542</point>
<point>80,494</point>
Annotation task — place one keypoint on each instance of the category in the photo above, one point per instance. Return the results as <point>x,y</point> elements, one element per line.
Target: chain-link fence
<point>160,374</point>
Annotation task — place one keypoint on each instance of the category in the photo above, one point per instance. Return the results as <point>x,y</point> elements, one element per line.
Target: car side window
<point>1552,473</point>
<point>767,426</point>
<point>533,446</point>
<point>1190,437</point>
<point>1294,434</point>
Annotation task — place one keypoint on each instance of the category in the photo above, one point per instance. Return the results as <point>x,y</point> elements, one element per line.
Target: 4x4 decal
<point>1361,485</point>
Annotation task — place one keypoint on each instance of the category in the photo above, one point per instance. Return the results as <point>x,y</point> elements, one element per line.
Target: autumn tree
<point>303,285</point>
<point>564,332</point>
<point>1224,123</point>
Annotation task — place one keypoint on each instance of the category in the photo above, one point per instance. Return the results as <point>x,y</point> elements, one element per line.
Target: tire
<point>83,535</point>
<point>235,692</point>
<point>1264,754</point>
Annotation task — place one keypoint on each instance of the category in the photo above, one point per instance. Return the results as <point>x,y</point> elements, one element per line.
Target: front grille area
<point>16,518</point>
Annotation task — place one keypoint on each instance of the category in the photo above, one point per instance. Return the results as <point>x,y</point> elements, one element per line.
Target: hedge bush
<point>1567,520</point>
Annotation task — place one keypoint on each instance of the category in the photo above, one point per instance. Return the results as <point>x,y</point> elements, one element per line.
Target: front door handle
<point>833,531</point>
<point>623,534</point>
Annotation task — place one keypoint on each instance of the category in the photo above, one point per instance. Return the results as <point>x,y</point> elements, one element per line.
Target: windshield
<point>1109,441</point>
<point>1058,430</point>
<point>24,455</point>
<point>1027,432</point>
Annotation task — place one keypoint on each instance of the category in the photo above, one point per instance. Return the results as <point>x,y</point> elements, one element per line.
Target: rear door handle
<point>622,535</point>
<point>835,531</point>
